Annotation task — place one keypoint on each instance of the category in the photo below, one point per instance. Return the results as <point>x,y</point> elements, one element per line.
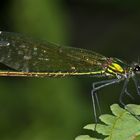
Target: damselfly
<point>27,57</point>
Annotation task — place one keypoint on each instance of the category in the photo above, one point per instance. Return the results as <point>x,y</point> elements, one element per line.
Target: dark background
<point>58,108</point>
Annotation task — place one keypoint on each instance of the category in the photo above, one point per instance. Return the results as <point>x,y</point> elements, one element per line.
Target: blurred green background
<point>58,108</point>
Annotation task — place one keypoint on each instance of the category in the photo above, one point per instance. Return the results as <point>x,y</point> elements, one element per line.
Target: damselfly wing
<point>38,58</point>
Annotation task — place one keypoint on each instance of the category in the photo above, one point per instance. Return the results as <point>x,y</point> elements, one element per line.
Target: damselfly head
<point>136,68</point>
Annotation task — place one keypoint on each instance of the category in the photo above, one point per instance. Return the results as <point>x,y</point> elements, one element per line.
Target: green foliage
<point>39,108</point>
<point>124,124</point>
<point>45,19</point>
<point>86,137</point>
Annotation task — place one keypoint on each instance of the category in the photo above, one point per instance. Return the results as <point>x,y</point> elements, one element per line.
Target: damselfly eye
<point>137,68</point>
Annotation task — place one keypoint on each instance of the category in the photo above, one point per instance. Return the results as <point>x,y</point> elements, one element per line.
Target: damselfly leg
<point>96,86</point>
<point>128,93</point>
<point>124,92</point>
<point>137,84</point>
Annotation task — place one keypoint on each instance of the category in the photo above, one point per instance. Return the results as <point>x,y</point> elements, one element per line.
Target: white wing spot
<point>20,52</point>
<point>27,57</point>
<point>4,43</point>
<point>22,46</point>
<point>35,49</point>
<point>73,68</point>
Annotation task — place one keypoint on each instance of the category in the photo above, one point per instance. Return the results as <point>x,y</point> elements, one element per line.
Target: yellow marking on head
<point>116,67</point>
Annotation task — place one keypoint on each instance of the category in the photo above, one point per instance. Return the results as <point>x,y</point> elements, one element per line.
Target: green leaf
<point>134,109</point>
<point>124,124</point>
<point>85,137</point>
